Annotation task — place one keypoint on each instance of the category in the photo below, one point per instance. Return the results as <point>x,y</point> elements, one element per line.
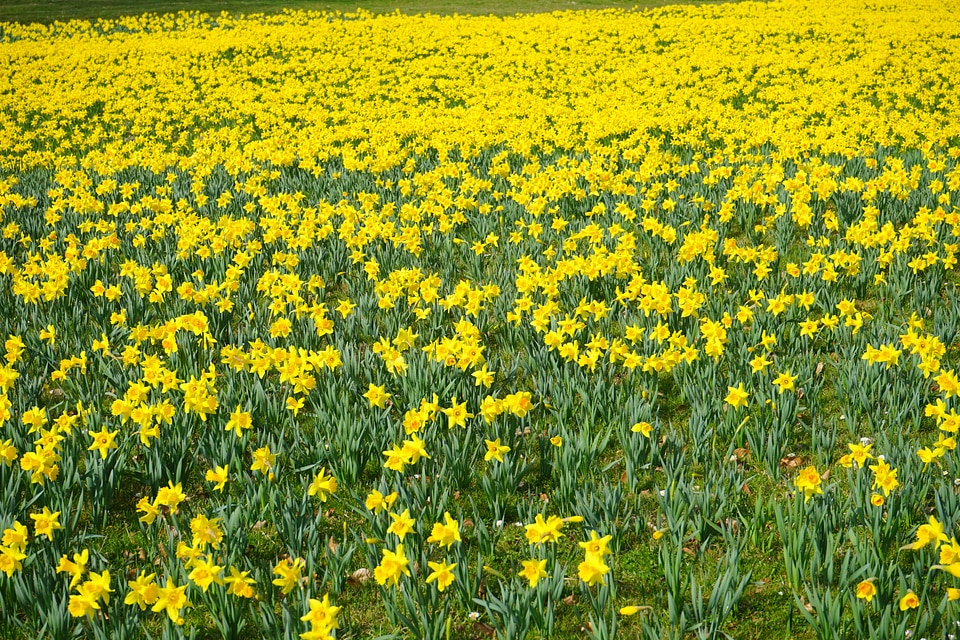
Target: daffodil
<point>103,441</point>
<point>736,396</point>
<point>445,533</point>
<point>809,482</point>
<point>495,450</point>
<point>442,573</point>
<point>533,571</point>
<point>393,565</point>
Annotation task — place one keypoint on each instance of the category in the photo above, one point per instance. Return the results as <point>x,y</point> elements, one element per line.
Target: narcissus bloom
<point>414,449</point>
<point>442,573</point>
<point>103,441</point>
<point>402,524</point>
<point>809,482</point>
<point>596,545</point>
<point>495,450</point>
<point>206,531</point>
<point>544,530</point>
<point>322,616</point>
<point>10,560</point>
<point>218,476</point>
<point>144,592</point>
<point>239,422</point>
<point>290,572</point>
<point>322,485</point>
<point>149,509</point>
<point>592,570</point>
<point>736,396</point>
<point>446,533</point>
<point>483,377</point>
<point>929,533</point>
<point>15,536</point>
<point>263,460</point>
<point>170,496</point>
<point>860,453</point>
<point>239,583</point>
<point>46,522</point>
<point>172,599</point>
<point>909,601</point>
<point>533,571</point>
<point>866,590</point>
<point>377,396</point>
<point>393,565</point>
<point>83,603</point>
<point>457,414</point>
<point>75,568</point>
<point>644,428</point>
<point>204,573</point>
<point>784,381</point>
<point>377,502</point>
<point>884,477</point>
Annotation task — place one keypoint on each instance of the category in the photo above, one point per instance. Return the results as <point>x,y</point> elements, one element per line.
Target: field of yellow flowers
<point>583,324</point>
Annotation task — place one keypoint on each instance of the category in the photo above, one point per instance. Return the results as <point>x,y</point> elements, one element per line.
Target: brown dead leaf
<point>733,524</point>
<point>569,599</point>
<point>482,627</point>
<point>819,369</point>
<point>360,576</point>
<point>332,544</point>
<point>259,524</point>
<point>792,461</point>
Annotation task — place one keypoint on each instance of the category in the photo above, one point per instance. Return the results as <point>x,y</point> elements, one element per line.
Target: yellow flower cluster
<point>256,268</point>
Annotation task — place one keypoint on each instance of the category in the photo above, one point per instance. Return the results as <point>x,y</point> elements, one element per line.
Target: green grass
<point>47,11</point>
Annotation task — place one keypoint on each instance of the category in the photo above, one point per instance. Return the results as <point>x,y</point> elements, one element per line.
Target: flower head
<point>533,571</point>
<point>393,565</point>
<point>809,482</point>
<point>909,601</point>
<point>736,396</point>
<point>446,533</point>
<point>46,522</point>
<point>866,590</point>
<point>442,573</point>
<point>103,441</point>
<point>172,599</point>
<point>495,450</point>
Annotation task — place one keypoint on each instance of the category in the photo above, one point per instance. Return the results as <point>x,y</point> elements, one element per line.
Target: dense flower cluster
<point>307,304</point>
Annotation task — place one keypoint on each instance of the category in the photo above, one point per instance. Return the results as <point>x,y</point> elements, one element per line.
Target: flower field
<point>582,324</point>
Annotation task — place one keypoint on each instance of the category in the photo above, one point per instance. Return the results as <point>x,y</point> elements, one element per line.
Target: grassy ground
<point>50,10</point>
